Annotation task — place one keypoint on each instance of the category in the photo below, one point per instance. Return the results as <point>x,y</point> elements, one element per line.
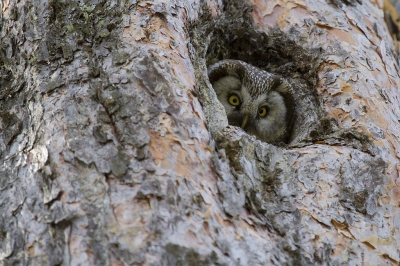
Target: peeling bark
<point>115,150</point>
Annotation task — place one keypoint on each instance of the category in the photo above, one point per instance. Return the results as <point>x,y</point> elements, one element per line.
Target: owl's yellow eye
<point>234,100</point>
<point>262,111</point>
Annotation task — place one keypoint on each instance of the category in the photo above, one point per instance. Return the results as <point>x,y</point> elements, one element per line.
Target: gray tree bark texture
<point>114,149</point>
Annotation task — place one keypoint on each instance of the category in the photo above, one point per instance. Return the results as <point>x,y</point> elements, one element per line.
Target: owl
<point>259,102</point>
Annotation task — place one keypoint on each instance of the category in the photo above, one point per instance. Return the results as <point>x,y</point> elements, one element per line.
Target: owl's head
<point>259,102</point>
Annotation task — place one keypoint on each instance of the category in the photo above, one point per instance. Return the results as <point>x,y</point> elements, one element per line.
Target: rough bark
<point>115,150</point>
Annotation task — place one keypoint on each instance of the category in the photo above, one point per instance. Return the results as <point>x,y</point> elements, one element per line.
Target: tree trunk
<point>115,150</point>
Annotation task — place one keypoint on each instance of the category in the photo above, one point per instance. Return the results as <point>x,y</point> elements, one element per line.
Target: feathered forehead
<point>254,79</point>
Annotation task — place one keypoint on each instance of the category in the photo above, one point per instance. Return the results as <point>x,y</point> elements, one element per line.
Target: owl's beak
<point>246,116</point>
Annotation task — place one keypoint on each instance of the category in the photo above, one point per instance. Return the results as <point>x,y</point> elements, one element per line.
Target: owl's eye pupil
<point>234,100</point>
<point>262,112</point>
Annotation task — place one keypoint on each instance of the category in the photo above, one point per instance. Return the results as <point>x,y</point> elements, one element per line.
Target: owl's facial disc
<point>253,99</point>
<point>255,111</point>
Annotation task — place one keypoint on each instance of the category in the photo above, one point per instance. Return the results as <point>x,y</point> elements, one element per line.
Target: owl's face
<point>254,104</point>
